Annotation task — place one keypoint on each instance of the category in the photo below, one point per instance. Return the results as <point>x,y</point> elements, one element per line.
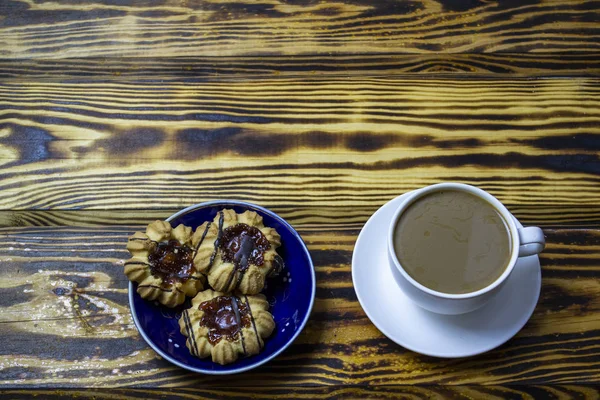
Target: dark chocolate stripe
<point>134,239</point>
<point>238,321</point>
<point>231,275</point>
<point>155,287</point>
<point>136,263</point>
<point>190,332</point>
<point>202,239</point>
<point>253,323</point>
<point>241,273</point>
<point>217,240</point>
<point>143,239</point>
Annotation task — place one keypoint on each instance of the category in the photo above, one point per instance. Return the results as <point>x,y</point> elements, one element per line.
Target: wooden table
<point>113,114</point>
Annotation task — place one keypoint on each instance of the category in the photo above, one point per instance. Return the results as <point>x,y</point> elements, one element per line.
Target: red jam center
<point>243,245</point>
<point>171,261</point>
<point>224,316</point>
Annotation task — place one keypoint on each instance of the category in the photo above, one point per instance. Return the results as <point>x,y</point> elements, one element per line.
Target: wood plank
<point>350,143</point>
<point>65,322</point>
<point>45,30</point>
<point>529,64</point>
<point>492,392</point>
<point>318,218</point>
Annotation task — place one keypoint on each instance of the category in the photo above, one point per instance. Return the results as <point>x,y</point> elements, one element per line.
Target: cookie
<point>226,326</point>
<point>237,252</point>
<point>163,264</point>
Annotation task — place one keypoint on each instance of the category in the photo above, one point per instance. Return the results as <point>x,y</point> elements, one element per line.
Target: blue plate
<point>291,296</point>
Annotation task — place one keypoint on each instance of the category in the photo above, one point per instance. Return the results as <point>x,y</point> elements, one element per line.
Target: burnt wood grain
<point>117,113</point>
<point>65,322</point>
<point>327,149</point>
<point>463,392</point>
<point>104,28</point>
<point>251,66</point>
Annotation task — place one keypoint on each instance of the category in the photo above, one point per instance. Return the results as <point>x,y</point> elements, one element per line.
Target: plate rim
<point>385,332</point>
<point>302,325</point>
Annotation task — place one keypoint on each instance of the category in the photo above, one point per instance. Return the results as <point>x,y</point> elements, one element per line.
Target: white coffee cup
<point>524,242</point>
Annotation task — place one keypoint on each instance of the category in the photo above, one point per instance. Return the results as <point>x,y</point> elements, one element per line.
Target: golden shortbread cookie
<point>162,264</point>
<point>226,326</point>
<point>236,251</point>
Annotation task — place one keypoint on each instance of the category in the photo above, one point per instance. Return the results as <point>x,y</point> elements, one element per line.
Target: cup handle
<point>532,241</point>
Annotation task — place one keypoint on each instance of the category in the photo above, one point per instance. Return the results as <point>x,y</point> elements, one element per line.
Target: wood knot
<point>61,291</point>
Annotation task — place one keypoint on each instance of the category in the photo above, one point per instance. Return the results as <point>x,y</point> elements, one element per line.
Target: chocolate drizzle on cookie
<point>260,345</point>
<point>141,239</point>
<point>134,262</point>
<point>171,261</point>
<point>224,316</point>
<point>238,318</point>
<point>190,333</point>
<point>208,224</point>
<point>243,245</point>
<point>217,241</point>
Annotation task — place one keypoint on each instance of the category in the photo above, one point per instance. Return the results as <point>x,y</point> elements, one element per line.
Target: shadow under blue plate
<point>291,296</point>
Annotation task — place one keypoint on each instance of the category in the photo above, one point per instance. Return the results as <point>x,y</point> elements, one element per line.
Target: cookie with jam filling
<point>162,264</point>
<point>237,252</point>
<point>226,326</point>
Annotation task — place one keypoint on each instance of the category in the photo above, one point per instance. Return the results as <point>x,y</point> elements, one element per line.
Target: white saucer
<point>425,332</point>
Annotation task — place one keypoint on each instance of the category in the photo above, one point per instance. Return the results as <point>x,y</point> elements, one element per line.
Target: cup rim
<point>506,215</point>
